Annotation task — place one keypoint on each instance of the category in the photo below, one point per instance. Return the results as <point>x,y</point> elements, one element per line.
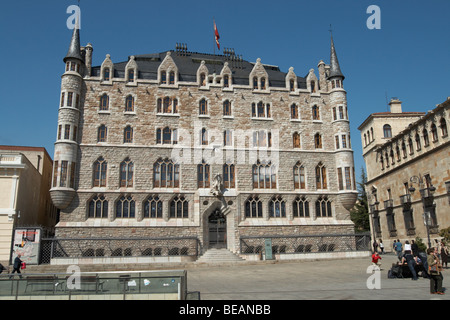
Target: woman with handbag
<point>434,270</point>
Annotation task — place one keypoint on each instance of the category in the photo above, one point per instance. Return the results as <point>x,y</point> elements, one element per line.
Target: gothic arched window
<point>99,175</point>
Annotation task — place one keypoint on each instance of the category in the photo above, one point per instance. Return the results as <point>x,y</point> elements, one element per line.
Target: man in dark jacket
<point>17,265</point>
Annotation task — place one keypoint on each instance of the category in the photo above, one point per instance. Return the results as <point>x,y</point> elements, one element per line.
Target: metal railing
<point>306,243</point>
<point>117,285</point>
<point>52,248</point>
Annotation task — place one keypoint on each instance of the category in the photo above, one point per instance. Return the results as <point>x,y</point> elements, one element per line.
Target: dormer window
<point>172,77</point>
<point>163,77</point>
<point>313,86</point>
<point>255,83</point>
<point>131,75</point>
<point>263,83</point>
<point>106,74</point>
<point>226,81</point>
<point>202,80</point>
<point>291,85</point>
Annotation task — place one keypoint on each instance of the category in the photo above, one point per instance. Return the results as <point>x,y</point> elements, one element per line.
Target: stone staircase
<point>218,256</point>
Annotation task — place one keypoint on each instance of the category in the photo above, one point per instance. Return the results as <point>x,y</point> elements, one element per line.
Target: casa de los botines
<point>210,148</point>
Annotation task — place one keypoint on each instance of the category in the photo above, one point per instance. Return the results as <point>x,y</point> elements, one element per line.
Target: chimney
<point>88,58</point>
<point>396,105</point>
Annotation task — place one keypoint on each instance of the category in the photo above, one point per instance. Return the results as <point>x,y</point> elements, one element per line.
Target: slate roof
<point>189,62</point>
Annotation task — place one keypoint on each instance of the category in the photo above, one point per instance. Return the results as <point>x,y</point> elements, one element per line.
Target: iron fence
<point>306,243</point>
<point>117,247</point>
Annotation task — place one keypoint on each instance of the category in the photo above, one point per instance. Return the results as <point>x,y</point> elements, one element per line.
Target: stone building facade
<point>407,155</point>
<point>173,143</point>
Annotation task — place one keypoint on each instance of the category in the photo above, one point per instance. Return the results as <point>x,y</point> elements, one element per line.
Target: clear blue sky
<point>407,58</point>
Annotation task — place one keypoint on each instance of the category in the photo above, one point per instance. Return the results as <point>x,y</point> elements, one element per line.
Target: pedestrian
<point>407,247</point>
<point>381,246</point>
<point>411,261</point>
<point>398,249</point>
<point>434,272</point>
<point>17,265</point>
<point>375,246</point>
<point>444,254</point>
<point>437,247</point>
<point>375,259</point>
<point>414,248</point>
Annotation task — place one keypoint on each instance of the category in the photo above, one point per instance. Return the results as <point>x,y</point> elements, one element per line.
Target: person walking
<point>381,246</point>
<point>444,254</point>
<point>375,246</point>
<point>407,247</point>
<point>398,249</point>
<point>436,277</point>
<point>17,265</point>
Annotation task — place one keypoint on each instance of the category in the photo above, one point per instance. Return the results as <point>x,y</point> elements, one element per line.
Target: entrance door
<point>217,230</point>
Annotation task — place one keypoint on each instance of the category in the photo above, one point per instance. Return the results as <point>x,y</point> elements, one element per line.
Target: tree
<point>445,233</point>
<point>360,212</point>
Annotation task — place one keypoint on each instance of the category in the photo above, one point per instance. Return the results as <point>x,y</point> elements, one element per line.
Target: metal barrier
<point>117,247</point>
<point>306,243</point>
<point>160,285</point>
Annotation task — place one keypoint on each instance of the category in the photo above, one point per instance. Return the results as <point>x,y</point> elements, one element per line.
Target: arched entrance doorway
<point>217,227</point>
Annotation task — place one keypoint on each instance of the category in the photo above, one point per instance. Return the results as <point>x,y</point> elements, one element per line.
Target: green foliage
<point>445,233</point>
<point>422,246</point>
<point>359,214</point>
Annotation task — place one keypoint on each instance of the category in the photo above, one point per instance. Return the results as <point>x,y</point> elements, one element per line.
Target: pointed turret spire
<point>335,70</point>
<point>75,47</point>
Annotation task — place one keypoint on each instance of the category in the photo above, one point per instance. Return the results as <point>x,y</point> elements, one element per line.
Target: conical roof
<point>335,70</point>
<point>75,47</point>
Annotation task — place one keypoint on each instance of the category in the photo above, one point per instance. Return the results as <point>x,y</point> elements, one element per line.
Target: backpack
<point>395,272</point>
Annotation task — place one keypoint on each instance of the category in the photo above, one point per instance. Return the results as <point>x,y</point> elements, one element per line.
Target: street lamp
<point>426,214</point>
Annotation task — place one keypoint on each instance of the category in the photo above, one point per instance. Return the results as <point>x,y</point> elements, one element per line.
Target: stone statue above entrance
<point>217,186</point>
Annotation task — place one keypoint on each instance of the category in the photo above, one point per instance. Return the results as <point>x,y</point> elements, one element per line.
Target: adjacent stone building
<point>407,156</point>
<point>187,144</point>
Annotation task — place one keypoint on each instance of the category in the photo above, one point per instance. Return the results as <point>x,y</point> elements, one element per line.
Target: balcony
<point>405,200</point>
<point>374,207</point>
<point>427,192</point>
<point>388,204</point>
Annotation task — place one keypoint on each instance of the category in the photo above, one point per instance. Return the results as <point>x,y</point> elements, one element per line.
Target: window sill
<point>168,114</point>
<point>262,119</point>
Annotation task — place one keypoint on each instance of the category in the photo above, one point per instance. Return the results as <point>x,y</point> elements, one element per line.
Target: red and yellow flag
<point>216,34</point>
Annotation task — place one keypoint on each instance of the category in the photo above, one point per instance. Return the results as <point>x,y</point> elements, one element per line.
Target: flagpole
<point>214,38</point>
<point>214,35</point>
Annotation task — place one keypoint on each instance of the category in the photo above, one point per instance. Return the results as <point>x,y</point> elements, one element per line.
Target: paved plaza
<point>315,280</point>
